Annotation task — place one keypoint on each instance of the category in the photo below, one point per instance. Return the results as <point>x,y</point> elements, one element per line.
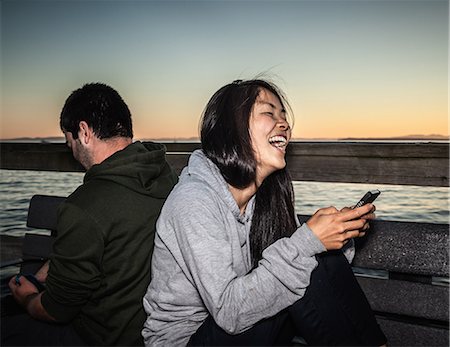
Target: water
<point>17,188</point>
<point>396,203</point>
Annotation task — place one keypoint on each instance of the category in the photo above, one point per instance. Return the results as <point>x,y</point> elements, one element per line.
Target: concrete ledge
<point>404,334</point>
<point>411,248</point>
<point>407,298</point>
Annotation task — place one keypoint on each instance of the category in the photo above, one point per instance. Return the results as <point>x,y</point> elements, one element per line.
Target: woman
<point>230,265</point>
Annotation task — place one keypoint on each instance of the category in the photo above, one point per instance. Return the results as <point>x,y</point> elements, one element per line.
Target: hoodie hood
<point>139,167</point>
<point>202,168</point>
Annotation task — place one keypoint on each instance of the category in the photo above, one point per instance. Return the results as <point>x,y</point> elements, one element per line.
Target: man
<point>100,265</point>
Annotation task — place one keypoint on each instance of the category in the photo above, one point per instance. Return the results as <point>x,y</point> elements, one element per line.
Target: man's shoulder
<point>110,200</point>
<point>88,190</point>
<point>94,194</point>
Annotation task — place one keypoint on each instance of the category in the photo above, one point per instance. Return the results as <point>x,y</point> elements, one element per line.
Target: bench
<point>36,248</point>
<point>403,268</point>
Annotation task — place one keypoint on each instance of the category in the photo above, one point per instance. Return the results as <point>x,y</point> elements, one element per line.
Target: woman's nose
<point>283,124</point>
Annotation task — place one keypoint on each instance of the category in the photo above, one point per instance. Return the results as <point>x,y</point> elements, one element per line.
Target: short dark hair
<point>226,141</point>
<point>101,107</point>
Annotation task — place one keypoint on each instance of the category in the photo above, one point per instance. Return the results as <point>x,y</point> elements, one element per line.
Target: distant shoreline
<point>400,138</point>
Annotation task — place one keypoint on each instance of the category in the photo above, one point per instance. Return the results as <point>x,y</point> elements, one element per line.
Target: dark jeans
<point>333,311</point>
<point>20,329</point>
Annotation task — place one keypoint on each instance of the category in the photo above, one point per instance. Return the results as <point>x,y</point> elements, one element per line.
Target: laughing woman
<point>231,266</point>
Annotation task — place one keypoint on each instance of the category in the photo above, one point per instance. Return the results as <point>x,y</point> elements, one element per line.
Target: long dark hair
<point>227,143</point>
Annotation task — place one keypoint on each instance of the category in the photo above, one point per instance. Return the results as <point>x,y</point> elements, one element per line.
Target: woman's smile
<point>270,134</point>
<point>279,142</point>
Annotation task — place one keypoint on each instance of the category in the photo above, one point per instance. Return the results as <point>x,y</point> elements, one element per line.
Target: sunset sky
<point>349,68</point>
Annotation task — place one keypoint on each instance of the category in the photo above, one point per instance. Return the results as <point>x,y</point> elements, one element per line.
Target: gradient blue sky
<point>349,68</point>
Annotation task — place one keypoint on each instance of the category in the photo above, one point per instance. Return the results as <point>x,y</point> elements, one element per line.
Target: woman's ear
<point>85,133</point>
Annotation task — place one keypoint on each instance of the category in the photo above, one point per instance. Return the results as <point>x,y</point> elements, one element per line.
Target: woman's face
<point>270,133</point>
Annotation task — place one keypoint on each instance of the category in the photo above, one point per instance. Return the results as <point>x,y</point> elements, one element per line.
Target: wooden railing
<point>409,262</point>
<point>424,164</point>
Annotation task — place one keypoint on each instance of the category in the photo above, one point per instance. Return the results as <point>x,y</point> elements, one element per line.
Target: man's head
<point>95,121</point>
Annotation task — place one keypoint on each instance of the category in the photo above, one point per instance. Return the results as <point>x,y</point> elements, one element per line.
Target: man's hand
<point>22,290</point>
<point>28,296</point>
<point>335,228</point>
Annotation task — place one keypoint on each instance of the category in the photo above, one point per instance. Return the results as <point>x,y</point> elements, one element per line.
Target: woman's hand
<point>368,216</point>
<point>335,228</point>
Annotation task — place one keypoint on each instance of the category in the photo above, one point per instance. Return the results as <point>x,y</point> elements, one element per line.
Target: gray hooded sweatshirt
<point>201,262</point>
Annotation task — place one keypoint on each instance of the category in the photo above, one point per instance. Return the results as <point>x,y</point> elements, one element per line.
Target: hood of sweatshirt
<point>202,168</point>
<point>139,167</point>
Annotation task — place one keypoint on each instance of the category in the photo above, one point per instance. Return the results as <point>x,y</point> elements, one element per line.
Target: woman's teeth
<point>278,141</point>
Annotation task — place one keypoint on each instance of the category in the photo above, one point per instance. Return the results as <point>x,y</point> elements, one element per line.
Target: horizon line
<point>196,138</point>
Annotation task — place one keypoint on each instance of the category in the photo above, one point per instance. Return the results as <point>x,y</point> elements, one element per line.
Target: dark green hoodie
<point>100,266</point>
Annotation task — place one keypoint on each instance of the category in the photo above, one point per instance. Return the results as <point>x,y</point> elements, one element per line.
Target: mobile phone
<point>370,196</point>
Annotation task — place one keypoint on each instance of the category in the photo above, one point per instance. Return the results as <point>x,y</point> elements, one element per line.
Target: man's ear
<point>85,133</point>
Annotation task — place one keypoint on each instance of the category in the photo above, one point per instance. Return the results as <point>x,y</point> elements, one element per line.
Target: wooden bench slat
<point>404,171</point>
<point>378,150</point>
<point>42,212</point>
<point>187,147</point>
